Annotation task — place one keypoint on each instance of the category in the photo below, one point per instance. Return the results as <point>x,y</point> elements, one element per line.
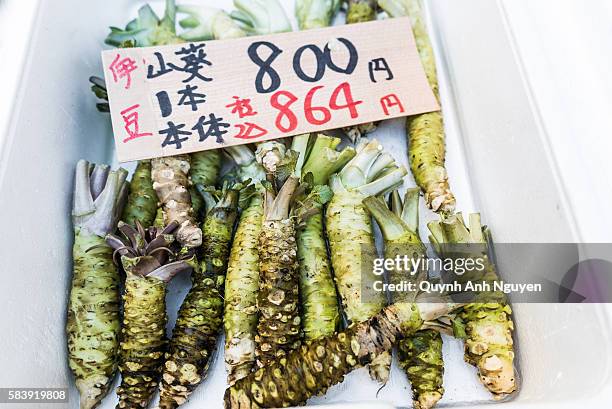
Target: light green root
<point>141,205</point>
<point>241,288</point>
<point>317,291</point>
<point>93,319</point>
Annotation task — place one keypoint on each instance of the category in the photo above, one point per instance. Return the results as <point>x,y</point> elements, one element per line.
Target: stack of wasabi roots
<point>276,248</point>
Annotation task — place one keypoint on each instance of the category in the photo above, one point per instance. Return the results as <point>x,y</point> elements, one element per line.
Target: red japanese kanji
<point>122,68</point>
<point>242,107</point>
<point>130,118</point>
<point>246,131</point>
<point>389,101</point>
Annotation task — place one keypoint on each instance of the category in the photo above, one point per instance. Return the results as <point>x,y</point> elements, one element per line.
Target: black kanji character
<point>162,67</point>
<point>173,135</point>
<point>215,126</point>
<point>379,64</point>
<point>190,97</point>
<point>194,59</point>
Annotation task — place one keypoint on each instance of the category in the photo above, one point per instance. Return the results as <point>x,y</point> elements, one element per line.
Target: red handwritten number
<point>309,110</point>
<point>350,103</point>
<point>285,112</point>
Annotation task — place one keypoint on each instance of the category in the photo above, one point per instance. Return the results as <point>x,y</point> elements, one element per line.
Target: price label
<point>206,95</point>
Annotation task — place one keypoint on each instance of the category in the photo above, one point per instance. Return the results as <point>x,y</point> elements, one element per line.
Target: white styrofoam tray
<point>499,162</point>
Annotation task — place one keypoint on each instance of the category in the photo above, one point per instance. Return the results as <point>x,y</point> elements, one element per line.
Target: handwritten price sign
<point>206,95</point>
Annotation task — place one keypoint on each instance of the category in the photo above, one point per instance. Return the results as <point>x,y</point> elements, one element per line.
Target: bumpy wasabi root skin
<point>316,13</point>
<point>171,183</point>
<point>205,167</point>
<point>360,11</point>
<point>311,369</point>
<point>279,326</point>
<point>426,150</point>
<point>200,317</point>
<point>92,326</point>
<point>241,288</point>
<point>351,238</point>
<point>141,205</point>
<point>488,325</point>
<point>150,263</point>
<point>420,354</point>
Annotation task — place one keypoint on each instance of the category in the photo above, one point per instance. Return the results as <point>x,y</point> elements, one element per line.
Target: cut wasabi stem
<point>426,150</point>
<point>261,16</point>
<point>149,263</point>
<point>351,238</point>
<point>316,13</point>
<point>318,159</point>
<point>360,11</point>
<point>314,367</point>
<point>248,167</point>
<point>147,29</point>
<point>200,317</point>
<point>488,325</point>
<point>420,354</point>
<point>92,326</point>
<point>207,23</point>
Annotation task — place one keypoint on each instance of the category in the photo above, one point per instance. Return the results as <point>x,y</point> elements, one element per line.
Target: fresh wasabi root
<point>92,327</point>
<point>311,369</point>
<point>360,11</point>
<point>241,288</point>
<point>141,204</point>
<point>205,167</point>
<point>488,324</point>
<point>147,29</point>
<point>420,354</point>
<point>318,160</point>
<point>351,238</point>
<point>426,150</point>
<point>200,317</point>
<point>149,263</point>
<point>316,13</point>
<point>171,183</point>
<point>279,326</point>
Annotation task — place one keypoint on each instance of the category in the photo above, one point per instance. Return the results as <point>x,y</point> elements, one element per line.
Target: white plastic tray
<point>499,163</point>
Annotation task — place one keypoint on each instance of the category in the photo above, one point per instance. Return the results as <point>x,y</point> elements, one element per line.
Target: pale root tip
<point>90,391</point>
<point>427,400</point>
<point>497,375</point>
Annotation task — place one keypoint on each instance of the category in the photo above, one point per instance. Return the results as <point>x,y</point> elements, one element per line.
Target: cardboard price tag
<point>197,96</point>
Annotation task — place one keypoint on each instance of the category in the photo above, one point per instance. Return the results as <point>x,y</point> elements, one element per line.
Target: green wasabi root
<point>351,238</point>
<point>279,326</point>
<point>200,317</point>
<point>317,365</point>
<point>420,354</point>
<point>318,160</point>
<point>141,205</point>
<point>426,148</point>
<point>488,324</point>
<point>92,326</point>
<point>205,167</point>
<point>150,262</point>
<point>241,288</point>
<point>360,11</point>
